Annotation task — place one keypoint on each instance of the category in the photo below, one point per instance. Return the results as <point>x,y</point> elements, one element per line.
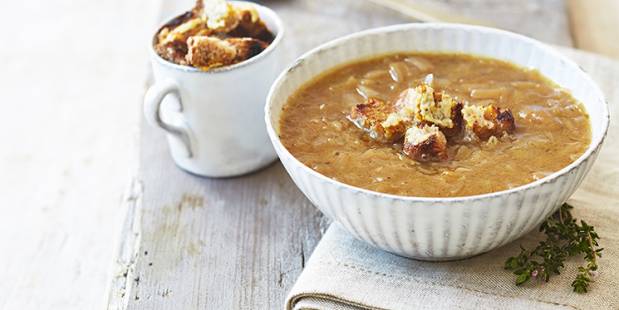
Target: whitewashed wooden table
<point>198,243</point>
<point>70,83</point>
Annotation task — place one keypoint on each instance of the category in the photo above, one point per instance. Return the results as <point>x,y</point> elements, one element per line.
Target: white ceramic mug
<point>214,119</point>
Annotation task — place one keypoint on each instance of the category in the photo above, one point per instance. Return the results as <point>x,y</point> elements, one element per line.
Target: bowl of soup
<point>436,141</point>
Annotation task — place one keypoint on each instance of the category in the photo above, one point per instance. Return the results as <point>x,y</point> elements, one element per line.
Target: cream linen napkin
<point>344,273</point>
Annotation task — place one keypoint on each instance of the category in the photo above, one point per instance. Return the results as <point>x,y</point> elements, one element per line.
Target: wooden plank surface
<point>195,243</point>
<point>71,81</point>
<point>595,25</point>
<point>543,20</point>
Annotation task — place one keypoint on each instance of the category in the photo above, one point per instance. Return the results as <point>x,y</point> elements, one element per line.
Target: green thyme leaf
<point>564,238</point>
<point>523,278</point>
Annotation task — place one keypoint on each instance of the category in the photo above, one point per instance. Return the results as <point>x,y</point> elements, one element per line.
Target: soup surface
<point>552,128</point>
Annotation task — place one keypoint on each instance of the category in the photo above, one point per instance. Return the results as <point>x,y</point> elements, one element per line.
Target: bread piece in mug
<point>209,52</point>
<point>247,47</point>
<point>250,25</point>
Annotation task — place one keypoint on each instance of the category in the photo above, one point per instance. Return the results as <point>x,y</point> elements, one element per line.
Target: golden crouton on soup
<point>425,143</point>
<point>488,121</point>
<point>372,117</point>
<point>425,105</point>
<point>456,126</point>
<point>428,119</point>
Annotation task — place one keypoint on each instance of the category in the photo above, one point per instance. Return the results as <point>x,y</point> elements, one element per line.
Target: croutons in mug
<point>213,118</point>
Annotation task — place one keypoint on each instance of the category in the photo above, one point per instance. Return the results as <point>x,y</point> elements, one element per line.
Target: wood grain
<point>545,20</point>
<point>196,243</point>
<point>595,25</point>
<point>71,83</point>
<point>423,13</point>
<point>240,243</point>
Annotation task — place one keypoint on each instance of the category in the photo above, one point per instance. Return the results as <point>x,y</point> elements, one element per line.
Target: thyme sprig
<point>564,238</point>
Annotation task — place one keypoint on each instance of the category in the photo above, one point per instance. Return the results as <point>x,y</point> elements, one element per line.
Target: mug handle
<point>152,111</point>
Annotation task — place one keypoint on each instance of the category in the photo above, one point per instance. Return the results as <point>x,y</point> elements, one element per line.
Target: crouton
<point>219,15</point>
<point>427,106</point>
<point>214,33</point>
<point>408,102</point>
<point>457,119</point>
<point>425,143</point>
<point>198,8</point>
<point>504,119</point>
<point>435,110</point>
<point>210,52</point>
<point>181,32</point>
<point>250,25</point>
<point>373,116</point>
<point>427,119</point>
<point>488,121</point>
<point>247,47</point>
<point>174,51</point>
<point>239,20</point>
<point>172,39</point>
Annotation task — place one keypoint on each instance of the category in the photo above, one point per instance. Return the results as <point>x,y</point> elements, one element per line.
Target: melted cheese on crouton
<point>372,117</point>
<point>395,119</point>
<point>425,105</point>
<point>488,121</point>
<point>237,34</point>
<point>216,13</point>
<point>427,118</point>
<point>474,115</point>
<point>433,110</point>
<point>425,143</point>
<point>416,135</point>
<point>182,31</point>
<point>408,102</point>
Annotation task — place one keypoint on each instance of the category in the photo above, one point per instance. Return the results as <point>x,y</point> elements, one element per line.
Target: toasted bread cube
<point>238,20</point>
<point>425,105</point>
<point>181,32</point>
<point>449,112</point>
<point>172,40</point>
<point>504,119</point>
<point>247,47</point>
<point>219,15</point>
<point>457,120</point>
<point>488,121</point>
<point>425,143</point>
<point>408,102</point>
<point>174,51</point>
<point>250,25</point>
<point>377,119</point>
<point>435,108</point>
<point>209,52</point>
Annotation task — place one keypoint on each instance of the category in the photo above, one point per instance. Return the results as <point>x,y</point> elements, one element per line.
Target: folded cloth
<point>345,273</point>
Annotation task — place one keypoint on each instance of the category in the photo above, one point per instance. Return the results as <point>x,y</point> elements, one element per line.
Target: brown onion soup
<point>552,127</point>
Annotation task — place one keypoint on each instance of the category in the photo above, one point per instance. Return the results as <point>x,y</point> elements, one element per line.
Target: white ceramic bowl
<point>440,228</point>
